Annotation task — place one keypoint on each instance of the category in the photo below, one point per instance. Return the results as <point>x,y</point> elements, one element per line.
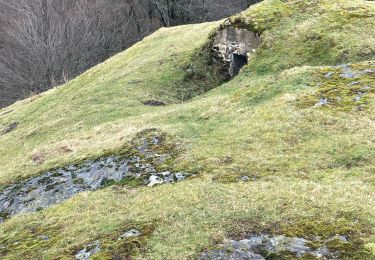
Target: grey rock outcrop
<point>259,247</point>
<point>130,233</point>
<point>88,251</point>
<point>58,185</point>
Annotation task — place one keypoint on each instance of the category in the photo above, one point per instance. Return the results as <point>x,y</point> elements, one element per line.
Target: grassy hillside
<point>297,124</point>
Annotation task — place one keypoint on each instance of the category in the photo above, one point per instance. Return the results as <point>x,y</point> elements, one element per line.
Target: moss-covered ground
<point>311,167</point>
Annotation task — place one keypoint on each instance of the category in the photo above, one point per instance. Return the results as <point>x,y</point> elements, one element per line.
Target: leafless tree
<point>44,43</point>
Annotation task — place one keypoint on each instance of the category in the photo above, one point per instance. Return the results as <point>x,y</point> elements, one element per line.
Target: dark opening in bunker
<point>238,61</point>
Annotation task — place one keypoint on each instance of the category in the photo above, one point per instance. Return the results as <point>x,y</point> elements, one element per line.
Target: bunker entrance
<point>237,62</point>
<point>235,47</point>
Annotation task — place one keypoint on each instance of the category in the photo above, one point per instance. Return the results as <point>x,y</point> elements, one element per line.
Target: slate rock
<point>263,245</point>
<point>322,102</point>
<point>88,251</point>
<point>154,180</point>
<point>130,233</point>
<point>58,185</point>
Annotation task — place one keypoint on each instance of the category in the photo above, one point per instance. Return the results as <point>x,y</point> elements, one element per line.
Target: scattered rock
<point>58,185</point>
<point>130,233</point>
<point>45,238</point>
<point>339,237</point>
<point>154,180</point>
<point>322,102</point>
<point>180,176</point>
<point>154,103</point>
<point>246,178</point>
<point>353,83</point>
<point>329,75</point>
<point>368,71</point>
<point>264,245</point>
<point>349,73</point>
<point>88,251</point>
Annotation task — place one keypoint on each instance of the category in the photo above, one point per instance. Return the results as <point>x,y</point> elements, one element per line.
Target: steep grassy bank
<point>291,121</point>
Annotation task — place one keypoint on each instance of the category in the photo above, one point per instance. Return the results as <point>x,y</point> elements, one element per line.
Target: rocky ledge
<point>58,185</point>
<point>265,246</point>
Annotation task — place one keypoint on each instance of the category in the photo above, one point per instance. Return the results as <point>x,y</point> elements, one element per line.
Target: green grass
<point>314,167</point>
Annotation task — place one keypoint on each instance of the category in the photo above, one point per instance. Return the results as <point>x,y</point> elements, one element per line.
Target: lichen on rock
<point>344,87</point>
<point>266,246</point>
<point>88,251</point>
<point>55,186</point>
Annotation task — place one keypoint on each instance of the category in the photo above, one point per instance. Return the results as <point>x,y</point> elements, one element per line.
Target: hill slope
<point>294,125</point>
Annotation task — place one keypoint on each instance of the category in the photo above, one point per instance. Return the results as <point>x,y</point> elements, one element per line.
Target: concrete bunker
<point>235,47</point>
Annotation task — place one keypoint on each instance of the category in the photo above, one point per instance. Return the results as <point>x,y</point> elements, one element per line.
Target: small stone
<point>154,180</point>
<point>329,75</point>
<point>180,176</point>
<point>156,140</point>
<point>245,178</point>
<point>353,83</point>
<point>227,22</point>
<point>130,233</point>
<point>347,72</point>
<point>189,72</point>
<point>357,98</point>
<point>342,238</point>
<point>348,75</point>
<point>166,173</point>
<point>88,251</point>
<point>169,178</point>
<point>45,238</point>
<point>368,71</point>
<point>338,237</point>
<point>322,102</point>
